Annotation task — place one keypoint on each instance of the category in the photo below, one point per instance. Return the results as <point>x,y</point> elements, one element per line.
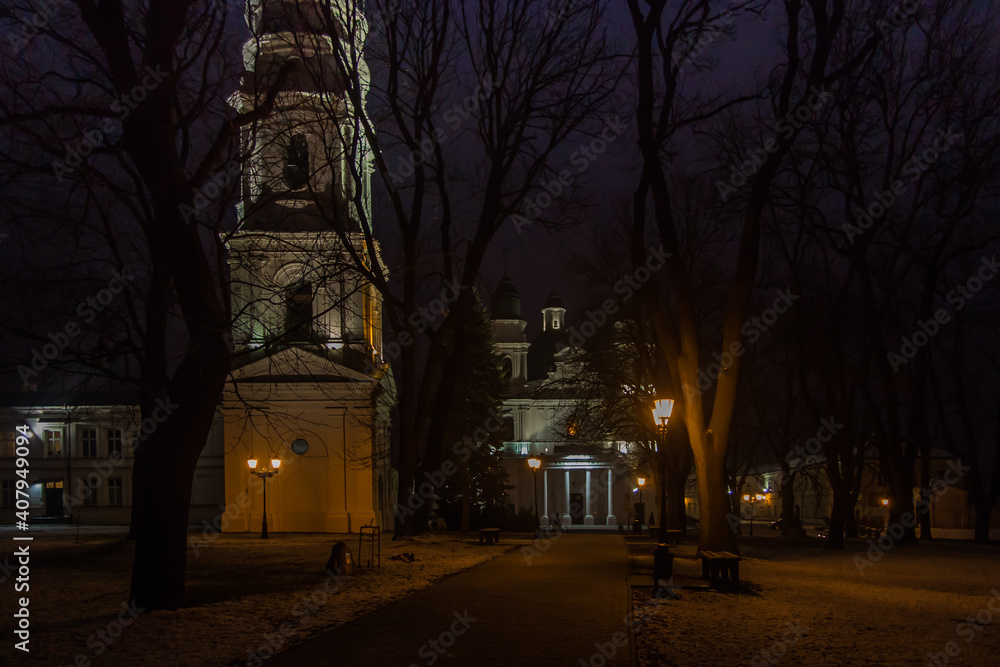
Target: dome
<point>553,301</point>
<point>506,302</point>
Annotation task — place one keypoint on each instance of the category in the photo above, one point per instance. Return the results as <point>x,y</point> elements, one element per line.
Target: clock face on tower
<point>297,162</point>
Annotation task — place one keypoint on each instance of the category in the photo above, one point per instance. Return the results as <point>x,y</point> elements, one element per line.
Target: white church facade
<point>580,484</point>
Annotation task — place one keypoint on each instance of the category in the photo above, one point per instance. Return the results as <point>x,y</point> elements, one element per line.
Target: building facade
<point>579,483</point>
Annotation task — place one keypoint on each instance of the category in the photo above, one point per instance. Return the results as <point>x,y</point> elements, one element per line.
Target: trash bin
<point>663,564</point>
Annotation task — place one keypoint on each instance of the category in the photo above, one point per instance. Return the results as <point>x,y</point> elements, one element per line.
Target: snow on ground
<point>240,590</point>
<point>805,605</point>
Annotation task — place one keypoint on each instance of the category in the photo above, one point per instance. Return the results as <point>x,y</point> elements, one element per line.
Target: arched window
<point>297,162</point>
<point>299,312</point>
<point>508,368</point>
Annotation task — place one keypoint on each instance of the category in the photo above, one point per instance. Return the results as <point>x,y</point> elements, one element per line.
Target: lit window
<point>53,442</point>
<point>7,446</point>
<point>88,442</point>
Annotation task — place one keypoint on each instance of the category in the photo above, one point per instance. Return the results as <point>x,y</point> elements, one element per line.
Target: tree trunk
<point>716,534</point>
<point>901,501</point>
<point>838,516</point>
<point>789,521</point>
<point>983,523</point>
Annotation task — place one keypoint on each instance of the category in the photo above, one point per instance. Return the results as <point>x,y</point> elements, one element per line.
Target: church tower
<point>304,189</point>
<point>309,384</point>
<point>508,331</point>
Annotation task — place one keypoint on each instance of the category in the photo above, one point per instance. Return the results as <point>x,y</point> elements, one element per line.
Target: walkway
<point>554,610</point>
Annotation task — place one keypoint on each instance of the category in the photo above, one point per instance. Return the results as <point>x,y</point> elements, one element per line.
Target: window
<point>7,444</point>
<point>297,162</point>
<point>91,493</point>
<point>7,494</point>
<point>508,368</point>
<point>299,312</point>
<point>88,442</point>
<point>53,442</point>
<point>115,491</point>
<point>115,443</point>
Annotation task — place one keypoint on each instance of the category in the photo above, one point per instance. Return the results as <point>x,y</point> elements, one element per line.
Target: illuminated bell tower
<point>304,187</point>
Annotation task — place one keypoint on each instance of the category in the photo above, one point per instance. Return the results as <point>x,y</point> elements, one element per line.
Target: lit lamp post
<point>535,464</point>
<point>885,504</point>
<point>641,481</point>
<point>264,473</point>
<point>662,409</point>
<point>753,499</point>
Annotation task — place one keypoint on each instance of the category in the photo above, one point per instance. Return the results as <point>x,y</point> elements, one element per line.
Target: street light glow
<point>252,462</point>
<point>662,409</point>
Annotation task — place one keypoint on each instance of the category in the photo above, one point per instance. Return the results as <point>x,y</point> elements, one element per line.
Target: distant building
<point>580,482</point>
<point>80,455</point>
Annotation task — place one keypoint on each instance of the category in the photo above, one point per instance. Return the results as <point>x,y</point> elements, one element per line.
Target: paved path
<point>553,611</point>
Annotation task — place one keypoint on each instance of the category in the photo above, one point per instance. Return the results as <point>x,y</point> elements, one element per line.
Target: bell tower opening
<point>299,312</point>
<point>297,162</point>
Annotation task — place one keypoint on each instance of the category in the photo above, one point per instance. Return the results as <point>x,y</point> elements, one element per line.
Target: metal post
<point>263,527</point>
<point>538,523</point>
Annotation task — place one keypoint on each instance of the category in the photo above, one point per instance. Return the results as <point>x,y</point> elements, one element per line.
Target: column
<point>588,519</point>
<point>545,498</point>
<point>612,521</point>
<point>566,518</point>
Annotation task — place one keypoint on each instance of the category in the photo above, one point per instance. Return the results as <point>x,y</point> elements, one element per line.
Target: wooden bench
<point>489,535</point>
<point>720,567</point>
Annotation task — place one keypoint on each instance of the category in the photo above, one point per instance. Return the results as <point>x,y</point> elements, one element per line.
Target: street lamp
<point>885,504</point>
<point>641,481</point>
<point>753,499</point>
<point>263,473</point>
<point>535,464</point>
<point>662,409</point>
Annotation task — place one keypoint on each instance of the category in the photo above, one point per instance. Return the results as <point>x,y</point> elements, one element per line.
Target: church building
<point>309,387</point>
<point>580,483</point>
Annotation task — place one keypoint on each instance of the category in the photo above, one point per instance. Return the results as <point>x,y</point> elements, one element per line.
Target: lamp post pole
<point>536,463</point>
<point>264,473</point>
<point>752,499</point>
<point>662,409</point>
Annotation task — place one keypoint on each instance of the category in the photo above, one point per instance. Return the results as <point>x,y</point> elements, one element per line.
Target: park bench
<point>720,567</point>
<point>489,535</point>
